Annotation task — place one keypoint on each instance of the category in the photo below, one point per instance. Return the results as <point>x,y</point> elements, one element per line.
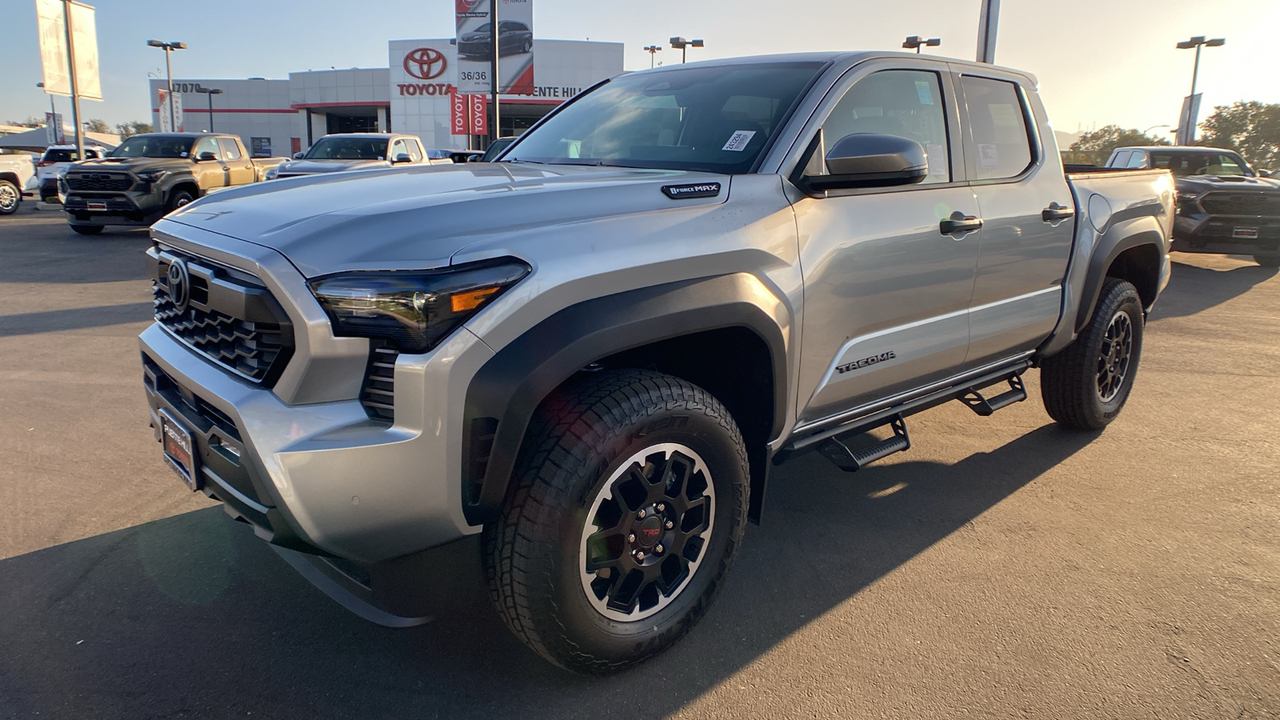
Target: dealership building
<point>412,95</point>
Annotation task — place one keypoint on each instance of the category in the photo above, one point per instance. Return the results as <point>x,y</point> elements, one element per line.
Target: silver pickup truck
<point>593,352</point>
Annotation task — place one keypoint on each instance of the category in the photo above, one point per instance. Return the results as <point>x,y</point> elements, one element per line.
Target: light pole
<point>652,50</point>
<point>1196,42</point>
<point>53,112</point>
<point>169,47</point>
<point>681,44</point>
<point>210,93</point>
<point>915,41</point>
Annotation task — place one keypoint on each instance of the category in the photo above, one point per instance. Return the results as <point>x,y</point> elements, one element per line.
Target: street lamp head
<point>678,42</point>
<point>178,45</point>
<point>215,91</point>
<point>39,84</point>
<point>1216,42</point>
<point>933,42</point>
<point>155,43</point>
<point>912,42</point>
<point>696,43</point>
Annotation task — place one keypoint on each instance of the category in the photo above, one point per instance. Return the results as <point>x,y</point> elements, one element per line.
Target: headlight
<point>413,309</point>
<point>272,172</point>
<point>151,175</point>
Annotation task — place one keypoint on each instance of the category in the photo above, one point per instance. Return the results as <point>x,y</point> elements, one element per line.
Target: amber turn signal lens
<point>471,299</point>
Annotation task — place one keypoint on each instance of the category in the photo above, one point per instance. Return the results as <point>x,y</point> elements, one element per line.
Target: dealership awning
<point>37,140</point>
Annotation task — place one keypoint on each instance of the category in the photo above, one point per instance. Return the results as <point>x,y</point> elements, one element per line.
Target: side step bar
<point>854,460</point>
<point>830,444</point>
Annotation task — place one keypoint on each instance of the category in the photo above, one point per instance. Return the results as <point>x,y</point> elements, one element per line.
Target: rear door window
<point>230,149</point>
<point>999,132</point>
<point>1121,159</point>
<point>1137,160</point>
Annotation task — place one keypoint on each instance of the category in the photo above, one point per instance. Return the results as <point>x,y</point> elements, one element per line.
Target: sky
<point>1099,62</point>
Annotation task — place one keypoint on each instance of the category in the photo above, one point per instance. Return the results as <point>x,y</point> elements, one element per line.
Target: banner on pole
<point>53,47</point>
<point>474,40</point>
<point>458,117</point>
<point>479,110</point>
<point>84,33</point>
<point>1187,119</point>
<point>55,134</point>
<point>165,99</point>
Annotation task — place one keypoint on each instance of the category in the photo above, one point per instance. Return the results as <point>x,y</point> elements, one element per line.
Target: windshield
<point>340,148</point>
<point>1183,164</point>
<point>716,119</point>
<point>154,146</point>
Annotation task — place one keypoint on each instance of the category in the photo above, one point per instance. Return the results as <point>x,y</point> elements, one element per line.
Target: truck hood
<point>132,164</point>
<point>315,167</point>
<point>1203,183</point>
<point>419,216</point>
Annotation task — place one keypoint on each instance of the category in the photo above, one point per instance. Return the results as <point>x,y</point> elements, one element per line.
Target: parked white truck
<point>593,352</point>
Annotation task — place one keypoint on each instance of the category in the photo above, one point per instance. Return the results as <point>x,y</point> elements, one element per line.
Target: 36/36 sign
<point>468,114</point>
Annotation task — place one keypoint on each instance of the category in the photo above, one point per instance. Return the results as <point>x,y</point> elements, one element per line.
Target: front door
<point>887,287</point>
<point>209,174</point>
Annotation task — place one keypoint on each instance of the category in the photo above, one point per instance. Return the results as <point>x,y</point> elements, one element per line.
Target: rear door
<point>887,287</point>
<point>1028,216</point>
<point>239,168</point>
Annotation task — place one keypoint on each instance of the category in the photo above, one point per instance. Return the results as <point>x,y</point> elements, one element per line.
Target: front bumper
<point>118,208</point>
<point>1229,234</point>
<point>316,473</point>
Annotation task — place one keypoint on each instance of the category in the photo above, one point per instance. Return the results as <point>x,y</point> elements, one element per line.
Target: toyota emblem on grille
<point>179,284</point>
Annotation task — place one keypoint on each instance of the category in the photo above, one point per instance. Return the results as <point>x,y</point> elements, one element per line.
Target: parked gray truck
<point>593,352</point>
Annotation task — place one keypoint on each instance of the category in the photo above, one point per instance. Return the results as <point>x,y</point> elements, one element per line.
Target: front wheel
<point>626,508</point>
<point>10,196</point>
<point>180,198</point>
<point>1085,386</point>
<point>1267,261</point>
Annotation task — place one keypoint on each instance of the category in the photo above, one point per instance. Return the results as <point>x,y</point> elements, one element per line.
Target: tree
<point>1102,141</point>
<point>129,129</point>
<point>1250,128</point>
<point>96,125</point>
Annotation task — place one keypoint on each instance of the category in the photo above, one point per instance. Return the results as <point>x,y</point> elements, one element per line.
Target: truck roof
<point>841,58</point>
<point>1177,148</point>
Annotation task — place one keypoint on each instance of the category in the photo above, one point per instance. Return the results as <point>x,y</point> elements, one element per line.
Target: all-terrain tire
<point>592,452</point>
<point>1267,261</point>
<point>87,229</point>
<point>1086,385</point>
<point>180,198</point>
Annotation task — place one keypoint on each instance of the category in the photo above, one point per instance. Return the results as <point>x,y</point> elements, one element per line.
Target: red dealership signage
<point>468,114</point>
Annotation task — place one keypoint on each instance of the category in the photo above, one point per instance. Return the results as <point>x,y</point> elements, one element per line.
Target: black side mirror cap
<point>298,155</point>
<point>206,156</point>
<point>866,160</point>
<point>401,158</point>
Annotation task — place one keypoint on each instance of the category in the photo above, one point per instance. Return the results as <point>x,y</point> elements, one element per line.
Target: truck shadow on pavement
<point>1194,289</point>
<point>192,615</point>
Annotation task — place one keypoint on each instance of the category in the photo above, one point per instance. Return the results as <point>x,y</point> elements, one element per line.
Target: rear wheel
<point>626,508</point>
<point>87,229</point>
<point>1086,385</point>
<point>1268,261</point>
<point>10,196</point>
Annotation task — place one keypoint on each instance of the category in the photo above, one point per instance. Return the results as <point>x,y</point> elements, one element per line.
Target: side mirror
<point>401,158</point>
<point>206,156</point>
<point>298,155</point>
<point>872,160</point>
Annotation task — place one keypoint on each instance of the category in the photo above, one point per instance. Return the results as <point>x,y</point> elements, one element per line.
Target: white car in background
<point>16,174</point>
<point>57,158</point>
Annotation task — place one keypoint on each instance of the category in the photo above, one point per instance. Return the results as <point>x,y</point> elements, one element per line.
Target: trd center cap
<point>650,532</point>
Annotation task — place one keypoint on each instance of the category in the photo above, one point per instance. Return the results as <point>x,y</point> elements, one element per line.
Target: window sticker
<point>739,140</point>
<point>988,158</point>
<point>937,156</point>
<point>924,93</point>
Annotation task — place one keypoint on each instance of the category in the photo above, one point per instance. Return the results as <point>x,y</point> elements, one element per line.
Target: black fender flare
<point>504,394</point>
<point>1119,238</point>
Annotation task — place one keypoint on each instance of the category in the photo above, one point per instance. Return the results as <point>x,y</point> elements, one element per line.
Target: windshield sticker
<point>988,158</point>
<point>924,93</point>
<point>739,140</point>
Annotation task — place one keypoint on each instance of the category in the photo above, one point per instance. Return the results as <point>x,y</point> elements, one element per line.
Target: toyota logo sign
<point>425,63</point>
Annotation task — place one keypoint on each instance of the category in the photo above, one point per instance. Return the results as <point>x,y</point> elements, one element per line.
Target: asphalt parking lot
<point>1000,568</point>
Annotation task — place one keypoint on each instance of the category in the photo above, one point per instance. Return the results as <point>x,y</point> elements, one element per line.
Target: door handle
<point>959,223</point>
<point>1056,212</point>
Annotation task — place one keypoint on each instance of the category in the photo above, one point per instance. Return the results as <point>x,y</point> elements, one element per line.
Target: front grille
<point>227,318</point>
<point>1226,203</point>
<point>99,181</point>
<point>378,393</point>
